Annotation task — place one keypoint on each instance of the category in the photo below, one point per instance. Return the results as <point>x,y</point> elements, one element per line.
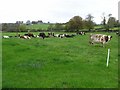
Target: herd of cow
<point>43,35</point>
<point>94,38</point>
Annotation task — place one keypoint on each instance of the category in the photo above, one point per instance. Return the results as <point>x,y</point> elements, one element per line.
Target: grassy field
<point>38,26</point>
<point>58,63</point>
<point>0,61</point>
<point>119,61</point>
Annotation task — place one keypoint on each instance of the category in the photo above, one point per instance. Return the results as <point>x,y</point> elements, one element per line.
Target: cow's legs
<point>103,44</point>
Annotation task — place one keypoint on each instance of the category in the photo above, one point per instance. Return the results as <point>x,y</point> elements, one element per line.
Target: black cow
<point>42,35</point>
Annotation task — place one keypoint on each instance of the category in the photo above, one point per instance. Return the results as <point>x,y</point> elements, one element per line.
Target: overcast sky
<point>55,10</point>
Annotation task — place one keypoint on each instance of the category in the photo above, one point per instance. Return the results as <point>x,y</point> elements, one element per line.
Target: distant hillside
<point>38,26</point>
<point>45,26</point>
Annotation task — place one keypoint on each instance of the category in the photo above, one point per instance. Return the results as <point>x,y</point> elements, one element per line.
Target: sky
<point>55,11</point>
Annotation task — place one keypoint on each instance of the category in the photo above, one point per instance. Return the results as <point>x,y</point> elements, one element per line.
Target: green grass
<point>100,26</point>
<point>0,61</point>
<point>58,63</point>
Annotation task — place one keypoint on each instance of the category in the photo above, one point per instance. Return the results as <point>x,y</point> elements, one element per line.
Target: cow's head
<point>109,38</point>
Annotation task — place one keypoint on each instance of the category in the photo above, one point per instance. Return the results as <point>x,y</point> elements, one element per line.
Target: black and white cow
<point>60,35</point>
<point>29,34</point>
<point>99,38</point>
<point>70,36</point>
<point>80,33</point>
<point>51,34</point>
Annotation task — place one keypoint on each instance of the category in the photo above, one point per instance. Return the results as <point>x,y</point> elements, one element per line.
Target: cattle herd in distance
<point>43,35</point>
<point>94,38</point>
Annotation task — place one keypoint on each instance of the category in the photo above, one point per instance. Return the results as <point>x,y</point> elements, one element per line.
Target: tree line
<point>75,24</point>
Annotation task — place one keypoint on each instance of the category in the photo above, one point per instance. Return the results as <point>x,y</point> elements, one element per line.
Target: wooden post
<point>108,57</point>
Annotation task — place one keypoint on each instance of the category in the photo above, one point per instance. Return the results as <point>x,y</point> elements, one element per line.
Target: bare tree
<point>89,22</point>
<point>103,19</point>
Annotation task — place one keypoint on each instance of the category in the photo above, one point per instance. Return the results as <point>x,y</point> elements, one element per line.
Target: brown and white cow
<point>25,37</point>
<point>99,38</point>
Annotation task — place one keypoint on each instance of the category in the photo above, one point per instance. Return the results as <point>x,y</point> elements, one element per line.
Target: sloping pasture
<point>58,63</point>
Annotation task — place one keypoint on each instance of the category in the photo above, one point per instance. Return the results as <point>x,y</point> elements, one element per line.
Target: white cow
<point>6,37</point>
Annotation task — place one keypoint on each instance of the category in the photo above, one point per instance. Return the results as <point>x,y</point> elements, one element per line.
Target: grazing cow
<point>57,35</point>
<point>42,35</point>
<point>6,37</point>
<point>64,35</point>
<point>80,33</point>
<point>51,34</point>
<point>99,38</point>
<point>60,35</point>
<point>70,36</point>
<point>25,37</point>
<point>29,34</point>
